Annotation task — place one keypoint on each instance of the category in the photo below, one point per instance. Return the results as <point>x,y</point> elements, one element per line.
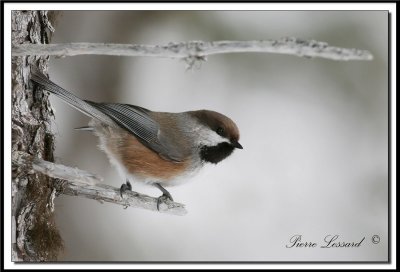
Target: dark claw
<point>162,198</point>
<point>166,195</point>
<point>125,187</point>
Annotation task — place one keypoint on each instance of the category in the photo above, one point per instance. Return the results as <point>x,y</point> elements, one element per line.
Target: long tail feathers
<point>68,97</point>
<point>84,128</point>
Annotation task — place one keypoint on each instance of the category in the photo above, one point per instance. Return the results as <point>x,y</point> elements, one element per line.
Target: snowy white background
<point>315,137</point>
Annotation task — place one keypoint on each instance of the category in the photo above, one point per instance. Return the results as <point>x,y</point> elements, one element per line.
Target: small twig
<point>53,170</point>
<point>76,182</point>
<point>197,50</point>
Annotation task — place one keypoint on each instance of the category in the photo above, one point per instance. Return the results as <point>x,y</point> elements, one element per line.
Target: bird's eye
<point>220,131</point>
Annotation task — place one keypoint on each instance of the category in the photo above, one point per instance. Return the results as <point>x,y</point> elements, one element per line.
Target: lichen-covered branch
<point>197,50</point>
<point>76,182</point>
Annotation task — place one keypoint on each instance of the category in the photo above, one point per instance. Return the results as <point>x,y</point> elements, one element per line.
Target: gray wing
<point>132,118</point>
<point>138,122</point>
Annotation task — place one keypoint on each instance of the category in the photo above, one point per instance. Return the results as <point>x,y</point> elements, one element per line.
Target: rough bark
<point>34,234</point>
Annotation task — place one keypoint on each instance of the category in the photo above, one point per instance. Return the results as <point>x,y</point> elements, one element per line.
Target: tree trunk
<point>34,234</point>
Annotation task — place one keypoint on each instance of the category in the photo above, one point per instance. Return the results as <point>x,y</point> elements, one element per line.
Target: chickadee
<point>159,148</point>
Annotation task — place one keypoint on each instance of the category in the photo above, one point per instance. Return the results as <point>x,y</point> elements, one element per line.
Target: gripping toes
<point>125,187</point>
<point>163,198</point>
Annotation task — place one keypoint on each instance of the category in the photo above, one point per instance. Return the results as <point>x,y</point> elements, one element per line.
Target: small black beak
<point>237,145</point>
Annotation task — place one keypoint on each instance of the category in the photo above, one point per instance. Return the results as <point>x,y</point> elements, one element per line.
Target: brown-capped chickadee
<point>159,148</point>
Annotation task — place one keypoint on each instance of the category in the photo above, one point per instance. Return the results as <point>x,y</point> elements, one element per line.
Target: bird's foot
<point>125,187</point>
<point>165,196</point>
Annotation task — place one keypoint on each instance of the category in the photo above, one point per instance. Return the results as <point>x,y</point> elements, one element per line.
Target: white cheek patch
<point>208,137</point>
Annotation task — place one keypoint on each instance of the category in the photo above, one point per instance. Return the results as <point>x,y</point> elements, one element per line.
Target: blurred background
<point>314,131</point>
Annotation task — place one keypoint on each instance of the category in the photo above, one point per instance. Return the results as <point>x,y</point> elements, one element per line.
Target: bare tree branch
<point>106,193</point>
<point>197,50</point>
<point>76,182</point>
